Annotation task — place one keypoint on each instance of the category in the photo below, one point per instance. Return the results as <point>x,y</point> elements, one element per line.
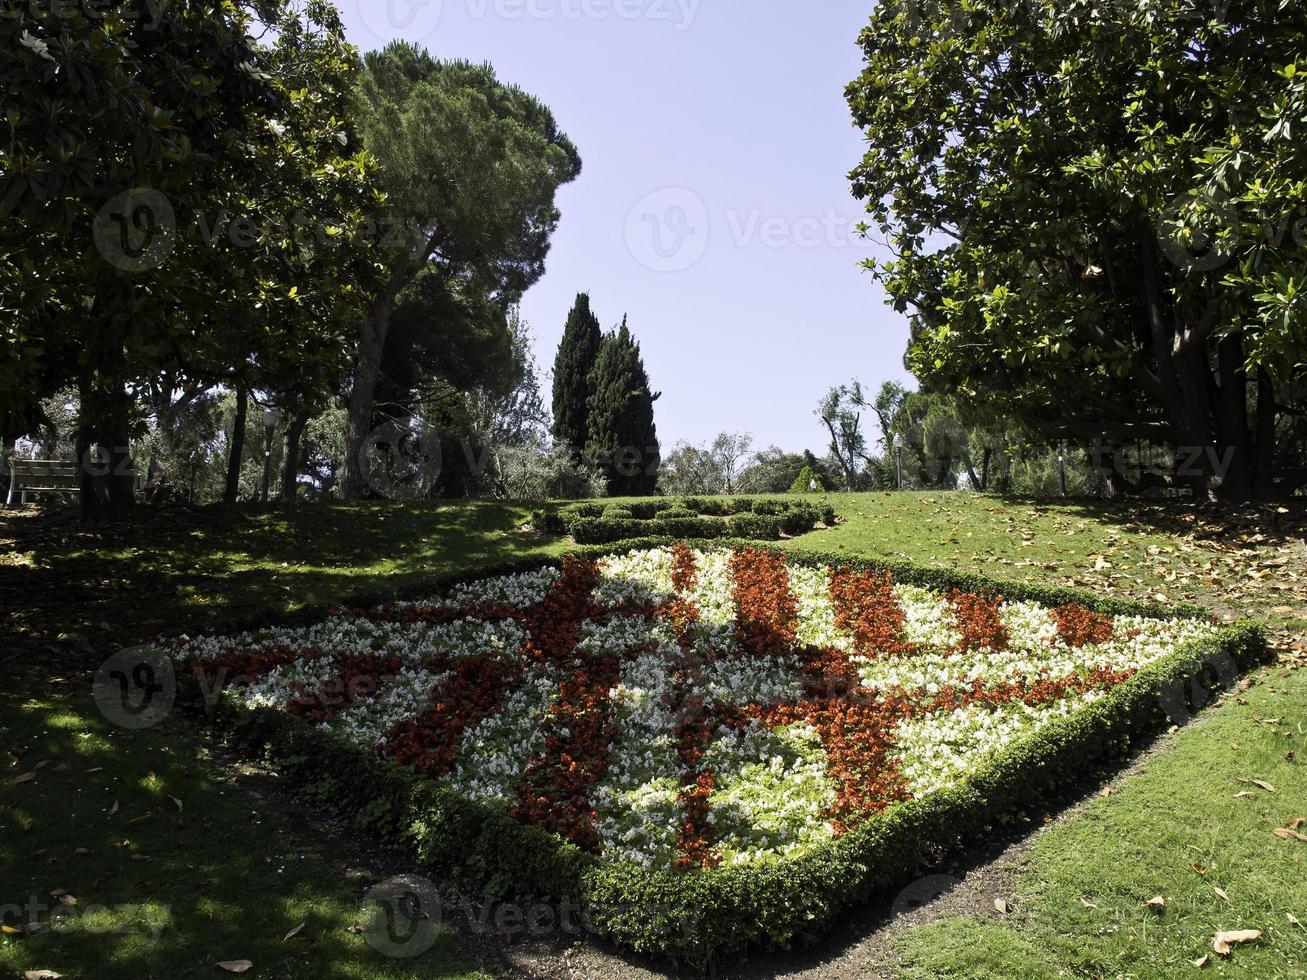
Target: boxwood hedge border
<point>713,916</point>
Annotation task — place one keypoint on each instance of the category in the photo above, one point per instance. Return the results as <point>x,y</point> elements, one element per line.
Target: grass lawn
<point>1181,828</point>
<point>219,891</point>
<point>173,868</point>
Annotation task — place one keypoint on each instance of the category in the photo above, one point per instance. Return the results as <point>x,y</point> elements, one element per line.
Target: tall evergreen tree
<point>577,352</point>
<point>623,441</point>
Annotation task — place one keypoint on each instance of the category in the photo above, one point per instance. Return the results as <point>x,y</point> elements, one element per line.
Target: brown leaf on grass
<point>355,929</point>
<point>1088,904</point>
<point>1261,783</point>
<point>1297,822</point>
<point>1289,834</point>
<point>1202,961</point>
<point>235,966</point>
<point>1293,919</point>
<point>26,777</point>
<point>1199,869</point>
<point>1222,942</point>
<point>293,933</point>
<point>113,809</point>
<point>1000,906</point>
<point>1105,791</point>
<point>1220,893</point>
<point>10,930</point>
<point>1244,795</point>
<point>1156,902</point>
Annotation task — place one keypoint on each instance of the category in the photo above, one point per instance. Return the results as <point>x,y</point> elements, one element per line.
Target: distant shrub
<point>807,482</point>
<point>755,527</point>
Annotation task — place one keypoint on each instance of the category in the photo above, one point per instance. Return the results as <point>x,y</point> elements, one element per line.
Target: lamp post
<point>898,458</point>
<point>269,423</point>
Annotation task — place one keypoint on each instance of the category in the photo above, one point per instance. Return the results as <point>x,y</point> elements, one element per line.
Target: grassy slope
<point>65,588</point>
<point>163,891</point>
<point>1178,817</point>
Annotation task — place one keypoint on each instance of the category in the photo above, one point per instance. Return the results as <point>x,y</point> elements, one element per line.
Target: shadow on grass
<point>171,868</point>
<point>219,567</point>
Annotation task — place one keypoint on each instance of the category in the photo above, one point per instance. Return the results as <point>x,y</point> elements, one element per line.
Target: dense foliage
<point>573,365</point>
<point>622,438</point>
<point>1096,212</point>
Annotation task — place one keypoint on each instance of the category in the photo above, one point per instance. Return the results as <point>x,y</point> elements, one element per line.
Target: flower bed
<point>710,748</point>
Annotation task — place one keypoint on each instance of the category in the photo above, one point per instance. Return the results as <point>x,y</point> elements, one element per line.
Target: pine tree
<point>623,440</point>
<point>572,367</point>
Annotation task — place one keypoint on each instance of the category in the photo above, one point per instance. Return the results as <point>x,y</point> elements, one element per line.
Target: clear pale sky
<point>713,207</point>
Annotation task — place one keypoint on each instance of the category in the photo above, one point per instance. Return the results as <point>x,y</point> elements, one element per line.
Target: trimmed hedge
<point>693,517</point>
<point>706,917</point>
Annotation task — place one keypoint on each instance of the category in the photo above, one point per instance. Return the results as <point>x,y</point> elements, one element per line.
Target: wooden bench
<point>48,476</point>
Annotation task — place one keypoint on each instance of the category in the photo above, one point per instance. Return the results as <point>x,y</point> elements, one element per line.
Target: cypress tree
<point>572,367</point>
<point>623,440</point>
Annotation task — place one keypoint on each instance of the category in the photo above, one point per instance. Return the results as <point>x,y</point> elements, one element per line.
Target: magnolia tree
<point>1097,217</point>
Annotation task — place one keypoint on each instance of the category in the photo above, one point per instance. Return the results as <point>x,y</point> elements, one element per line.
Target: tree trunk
<point>1232,461</point>
<point>107,489</point>
<point>372,344</point>
<point>1264,442</point>
<point>290,470</point>
<point>976,485</point>
<point>236,451</point>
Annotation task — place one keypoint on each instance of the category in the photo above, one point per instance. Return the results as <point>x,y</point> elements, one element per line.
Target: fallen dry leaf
<point>1202,961</point>
<point>1297,822</point>
<point>244,966</point>
<point>355,929</point>
<point>1088,904</point>
<point>1292,918</point>
<point>1223,941</point>
<point>1221,893</point>
<point>1244,795</point>
<point>1289,834</point>
<point>10,930</point>
<point>1000,906</point>
<point>176,801</point>
<point>294,932</point>
<point>1156,902</point>
<point>1263,784</point>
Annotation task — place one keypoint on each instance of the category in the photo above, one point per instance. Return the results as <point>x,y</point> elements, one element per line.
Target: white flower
<point>276,128</point>
<point>35,45</point>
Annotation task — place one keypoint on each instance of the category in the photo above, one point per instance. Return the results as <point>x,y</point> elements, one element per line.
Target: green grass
<point>226,878</point>
<point>174,868</point>
<point>1175,829</point>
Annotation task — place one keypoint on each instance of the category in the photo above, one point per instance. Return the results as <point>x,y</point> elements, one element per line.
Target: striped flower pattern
<point>678,708</point>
